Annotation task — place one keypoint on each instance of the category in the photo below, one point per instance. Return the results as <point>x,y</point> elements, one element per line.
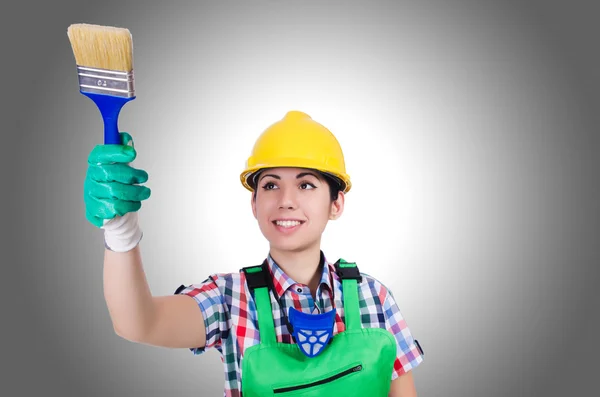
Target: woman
<point>295,324</point>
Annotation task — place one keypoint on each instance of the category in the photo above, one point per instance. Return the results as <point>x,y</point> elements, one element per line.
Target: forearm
<point>127,293</point>
<point>403,386</point>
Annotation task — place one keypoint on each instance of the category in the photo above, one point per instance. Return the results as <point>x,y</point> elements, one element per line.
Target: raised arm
<point>113,194</point>
<point>173,321</point>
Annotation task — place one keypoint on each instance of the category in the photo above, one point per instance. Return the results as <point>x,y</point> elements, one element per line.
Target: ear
<point>253,204</point>
<point>337,207</point>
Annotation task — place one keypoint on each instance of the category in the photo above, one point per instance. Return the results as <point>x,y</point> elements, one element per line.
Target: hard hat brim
<point>293,163</point>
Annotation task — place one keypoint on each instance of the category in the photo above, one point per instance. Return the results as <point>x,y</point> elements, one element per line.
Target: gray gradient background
<point>479,121</point>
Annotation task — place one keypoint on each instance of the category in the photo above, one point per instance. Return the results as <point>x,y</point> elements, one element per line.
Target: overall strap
<point>348,272</point>
<point>257,279</point>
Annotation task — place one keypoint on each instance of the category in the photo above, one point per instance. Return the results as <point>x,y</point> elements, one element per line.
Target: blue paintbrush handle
<point>109,107</point>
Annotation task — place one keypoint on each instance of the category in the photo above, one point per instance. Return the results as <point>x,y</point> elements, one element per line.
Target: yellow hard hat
<point>297,141</point>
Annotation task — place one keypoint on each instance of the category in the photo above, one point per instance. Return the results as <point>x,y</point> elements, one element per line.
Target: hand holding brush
<point>112,194</point>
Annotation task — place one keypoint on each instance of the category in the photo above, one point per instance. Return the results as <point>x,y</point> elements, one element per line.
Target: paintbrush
<point>104,58</point>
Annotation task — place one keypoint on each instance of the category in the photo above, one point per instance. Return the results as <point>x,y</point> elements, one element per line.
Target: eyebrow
<point>300,175</point>
<point>303,174</point>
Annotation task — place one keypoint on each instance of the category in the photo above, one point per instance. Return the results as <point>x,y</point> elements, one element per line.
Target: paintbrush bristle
<point>103,47</point>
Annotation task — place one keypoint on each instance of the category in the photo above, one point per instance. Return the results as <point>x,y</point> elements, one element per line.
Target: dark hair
<point>335,184</point>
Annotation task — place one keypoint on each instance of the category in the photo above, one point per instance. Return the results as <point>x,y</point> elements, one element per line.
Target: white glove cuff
<point>122,233</point>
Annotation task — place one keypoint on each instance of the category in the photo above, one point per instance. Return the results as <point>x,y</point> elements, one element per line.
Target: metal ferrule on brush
<point>107,82</point>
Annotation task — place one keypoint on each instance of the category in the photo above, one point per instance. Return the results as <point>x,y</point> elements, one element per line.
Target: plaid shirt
<point>231,322</point>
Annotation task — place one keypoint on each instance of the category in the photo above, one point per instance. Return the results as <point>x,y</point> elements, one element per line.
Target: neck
<point>301,266</point>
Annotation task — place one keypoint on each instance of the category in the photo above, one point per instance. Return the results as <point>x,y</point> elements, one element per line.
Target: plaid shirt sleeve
<point>409,353</point>
<point>211,302</point>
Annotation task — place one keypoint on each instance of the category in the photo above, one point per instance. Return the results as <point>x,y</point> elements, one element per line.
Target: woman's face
<point>293,206</point>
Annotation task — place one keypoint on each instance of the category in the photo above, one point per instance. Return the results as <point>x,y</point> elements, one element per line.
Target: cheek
<point>318,214</point>
<point>263,212</point>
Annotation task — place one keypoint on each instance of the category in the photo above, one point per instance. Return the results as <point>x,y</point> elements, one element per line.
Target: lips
<point>287,223</point>
<point>287,226</point>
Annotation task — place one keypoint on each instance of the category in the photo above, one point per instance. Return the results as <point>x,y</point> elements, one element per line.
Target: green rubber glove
<point>111,184</point>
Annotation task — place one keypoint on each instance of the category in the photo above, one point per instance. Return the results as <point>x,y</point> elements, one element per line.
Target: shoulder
<point>369,286</point>
<point>375,287</point>
<point>224,283</point>
<point>227,278</point>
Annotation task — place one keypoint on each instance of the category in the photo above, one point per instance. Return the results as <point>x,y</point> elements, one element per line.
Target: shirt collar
<point>282,282</point>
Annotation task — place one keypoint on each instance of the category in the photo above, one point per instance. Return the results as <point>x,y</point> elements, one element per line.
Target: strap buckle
<point>256,277</point>
<point>347,270</point>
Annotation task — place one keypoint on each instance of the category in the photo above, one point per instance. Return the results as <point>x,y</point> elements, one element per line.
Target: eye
<point>307,186</point>
<point>269,186</point>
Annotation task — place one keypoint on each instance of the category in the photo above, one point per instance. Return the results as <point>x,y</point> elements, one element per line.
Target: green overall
<point>357,362</point>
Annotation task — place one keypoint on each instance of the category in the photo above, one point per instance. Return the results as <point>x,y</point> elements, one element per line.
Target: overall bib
<point>356,362</point>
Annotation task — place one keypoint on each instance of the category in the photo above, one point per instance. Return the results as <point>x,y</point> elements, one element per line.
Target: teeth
<point>287,223</point>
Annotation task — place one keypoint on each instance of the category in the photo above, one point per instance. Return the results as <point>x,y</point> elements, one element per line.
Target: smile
<point>287,224</point>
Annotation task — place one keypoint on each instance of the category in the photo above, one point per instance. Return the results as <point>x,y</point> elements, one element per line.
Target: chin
<point>292,243</point>
<point>290,246</point>
<point>286,246</point>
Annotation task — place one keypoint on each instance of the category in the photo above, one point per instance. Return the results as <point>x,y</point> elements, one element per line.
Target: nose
<point>287,198</point>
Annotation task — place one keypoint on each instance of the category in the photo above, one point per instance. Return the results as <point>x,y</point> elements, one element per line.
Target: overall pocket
<point>338,375</point>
